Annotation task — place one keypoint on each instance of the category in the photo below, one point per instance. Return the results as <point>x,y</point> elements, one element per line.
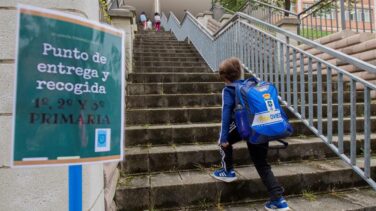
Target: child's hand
<point>224,145</point>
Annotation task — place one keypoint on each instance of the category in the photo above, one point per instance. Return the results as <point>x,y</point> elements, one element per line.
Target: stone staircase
<point>359,45</point>
<point>173,113</point>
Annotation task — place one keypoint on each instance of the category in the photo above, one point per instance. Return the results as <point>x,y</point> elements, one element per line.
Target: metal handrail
<point>277,61</point>
<point>312,6</point>
<point>277,8</point>
<point>317,21</point>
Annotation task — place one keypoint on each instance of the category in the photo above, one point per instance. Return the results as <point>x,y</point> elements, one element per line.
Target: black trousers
<point>258,154</point>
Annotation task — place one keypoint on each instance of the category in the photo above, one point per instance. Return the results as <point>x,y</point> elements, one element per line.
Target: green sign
<point>69,98</point>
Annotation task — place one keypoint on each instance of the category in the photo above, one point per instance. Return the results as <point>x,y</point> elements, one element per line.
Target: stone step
<point>199,87</point>
<point>159,51</point>
<point>167,59</point>
<point>164,77</point>
<point>173,100</point>
<point>146,134</point>
<point>342,44</point>
<point>330,39</point>
<point>174,88</point>
<point>184,188</point>
<point>183,157</point>
<point>173,43</point>
<point>266,77</point>
<point>213,114</point>
<point>358,48</point>
<point>151,33</point>
<point>155,46</point>
<point>354,199</point>
<point>154,38</point>
<point>172,69</point>
<point>146,64</point>
<point>142,43</point>
<point>158,54</point>
<point>202,100</point>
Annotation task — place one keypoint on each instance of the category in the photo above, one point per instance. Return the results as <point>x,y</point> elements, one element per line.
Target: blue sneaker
<point>277,205</point>
<point>223,175</point>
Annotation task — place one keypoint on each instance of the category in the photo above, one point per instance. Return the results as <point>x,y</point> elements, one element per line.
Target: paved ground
<point>354,200</point>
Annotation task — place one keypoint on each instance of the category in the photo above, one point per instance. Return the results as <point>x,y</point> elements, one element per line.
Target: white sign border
<point>70,16</point>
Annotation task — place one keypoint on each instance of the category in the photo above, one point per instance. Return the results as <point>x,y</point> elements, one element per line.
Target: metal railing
<point>305,82</point>
<point>266,12</point>
<point>328,16</point>
<point>320,19</point>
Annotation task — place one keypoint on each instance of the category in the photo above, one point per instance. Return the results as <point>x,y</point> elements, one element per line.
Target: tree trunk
<point>287,6</point>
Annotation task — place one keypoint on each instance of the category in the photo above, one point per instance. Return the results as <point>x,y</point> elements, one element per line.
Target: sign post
<point>75,187</point>
<point>69,94</point>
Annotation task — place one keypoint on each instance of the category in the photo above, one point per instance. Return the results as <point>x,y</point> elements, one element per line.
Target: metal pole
<point>342,11</point>
<point>75,188</point>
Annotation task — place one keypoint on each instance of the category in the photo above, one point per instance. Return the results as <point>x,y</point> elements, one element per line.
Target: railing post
<point>298,25</point>
<point>342,11</point>
<point>373,26</point>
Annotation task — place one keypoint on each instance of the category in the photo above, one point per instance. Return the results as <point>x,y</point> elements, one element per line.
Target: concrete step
<point>366,42</point>
<point>185,188</point>
<point>365,56</point>
<point>153,33</point>
<point>354,199</point>
<point>330,39</point>
<point>200,87</point>
<point>167,59</point>
<point>173,115</point>
<point>172,69</point>
<point>169,50</point>
<point>146,134</point>
<point>205,99</point>
<point>156,46</point>
<point>161,54</point>
<point>346,43</point>
<point>154,38</point>
<point>266,76</point>
<point>169,64</point>
<point>164,77</point>
<point>196,156</point>
<point>213,114</point>
<point>170,43</point>
<point>173,100</point>
<point>174,88</point>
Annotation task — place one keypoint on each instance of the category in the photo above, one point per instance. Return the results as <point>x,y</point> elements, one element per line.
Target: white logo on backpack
<point>267,118</point>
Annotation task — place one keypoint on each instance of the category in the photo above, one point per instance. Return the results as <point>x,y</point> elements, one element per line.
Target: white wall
<point>37,188</point>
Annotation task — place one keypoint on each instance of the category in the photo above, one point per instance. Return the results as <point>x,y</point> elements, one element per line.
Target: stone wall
<point>37,188</point>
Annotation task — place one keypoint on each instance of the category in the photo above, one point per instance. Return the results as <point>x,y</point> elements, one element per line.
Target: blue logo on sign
<point>102,135</point>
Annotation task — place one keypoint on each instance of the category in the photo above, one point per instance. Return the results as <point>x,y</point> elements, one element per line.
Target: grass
<point>309,195</point>
<point>203,204</point>
<point>126,181</point>
<point>173,145</point>
<point>219,205</point>
<point>199,167</point>
<point>309,33</point>
<point>302,136</point>
<point>146,126</point>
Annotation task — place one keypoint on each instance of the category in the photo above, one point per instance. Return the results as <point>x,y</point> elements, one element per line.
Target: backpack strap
<point>252,79</point>
<point>238,99</point>
<point>238,96</point>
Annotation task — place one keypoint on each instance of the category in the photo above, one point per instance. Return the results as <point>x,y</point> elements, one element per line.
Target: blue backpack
<point>258,115</point>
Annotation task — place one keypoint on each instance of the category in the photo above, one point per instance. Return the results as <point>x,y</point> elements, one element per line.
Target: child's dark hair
<point>230,69</point>
<point>156,13</point>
